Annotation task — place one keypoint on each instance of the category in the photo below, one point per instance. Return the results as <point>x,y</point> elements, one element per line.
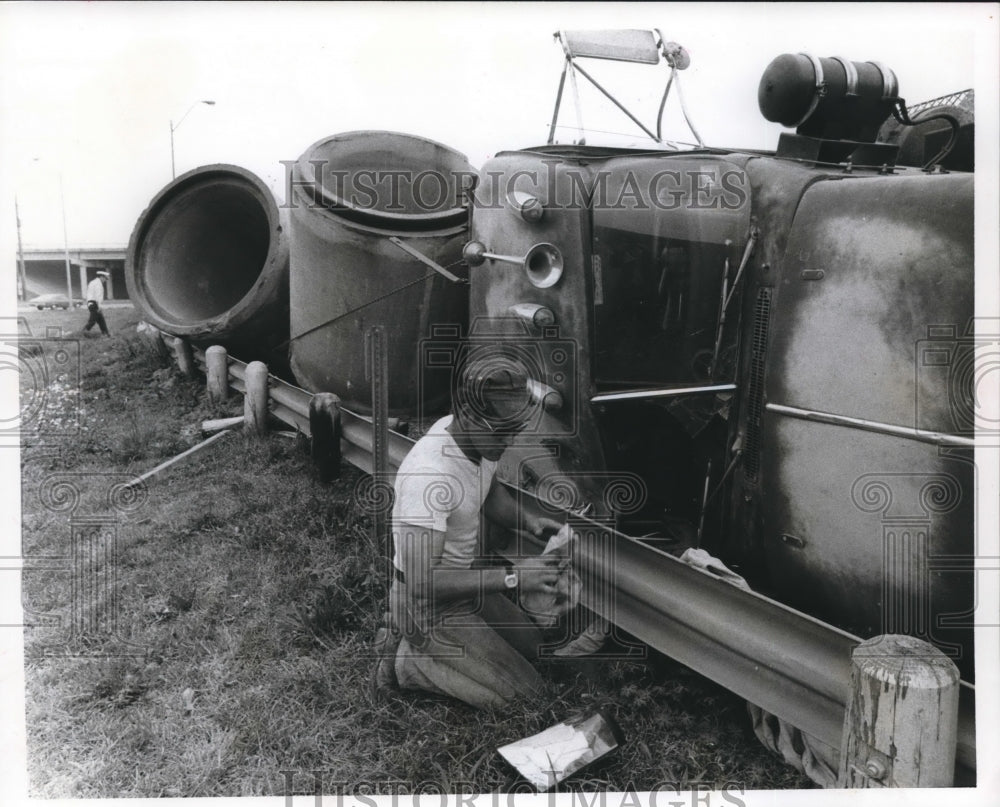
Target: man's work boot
<point>385,646</point>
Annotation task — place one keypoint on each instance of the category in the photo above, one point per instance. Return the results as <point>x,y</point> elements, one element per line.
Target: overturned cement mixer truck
<point>768,355</point>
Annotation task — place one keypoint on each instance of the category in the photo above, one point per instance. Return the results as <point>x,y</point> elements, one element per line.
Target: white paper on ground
<point>547,758</point>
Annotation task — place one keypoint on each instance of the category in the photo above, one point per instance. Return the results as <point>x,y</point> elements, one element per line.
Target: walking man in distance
<point>95,296</point>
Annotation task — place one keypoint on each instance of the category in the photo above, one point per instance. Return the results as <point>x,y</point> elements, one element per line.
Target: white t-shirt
<point>95,291</point>
<point>438,487</point>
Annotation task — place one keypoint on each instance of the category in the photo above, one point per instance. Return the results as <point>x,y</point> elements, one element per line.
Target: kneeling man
<point>461,633</point>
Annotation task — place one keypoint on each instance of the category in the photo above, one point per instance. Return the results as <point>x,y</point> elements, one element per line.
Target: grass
<point>246,594</point>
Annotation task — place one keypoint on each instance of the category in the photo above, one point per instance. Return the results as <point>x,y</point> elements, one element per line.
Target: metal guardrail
<point>780,659</point>
<point>290,405</point>
<point>786,662</point>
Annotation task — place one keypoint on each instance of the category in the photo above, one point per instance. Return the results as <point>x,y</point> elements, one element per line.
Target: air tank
<point>827,97</point>
<point>208,261</point>
<point>350,195</point>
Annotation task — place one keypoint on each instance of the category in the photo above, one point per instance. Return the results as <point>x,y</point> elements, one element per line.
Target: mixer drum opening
<point>205,250</point>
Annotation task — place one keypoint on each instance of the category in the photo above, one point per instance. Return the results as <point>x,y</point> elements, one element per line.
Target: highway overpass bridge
<point>44,271</point>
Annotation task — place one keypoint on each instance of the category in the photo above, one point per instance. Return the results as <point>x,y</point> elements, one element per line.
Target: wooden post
<point>901,723</point>
<point>324,424</point>
<point>255,397</point>
<point>217,372</point>
<point>185,358</point>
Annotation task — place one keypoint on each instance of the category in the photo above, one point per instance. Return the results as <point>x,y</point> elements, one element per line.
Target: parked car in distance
<point>53,301</point>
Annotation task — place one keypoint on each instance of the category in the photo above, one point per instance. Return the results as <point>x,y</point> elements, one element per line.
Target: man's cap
<point>104,274</point>
<point>495,388</point>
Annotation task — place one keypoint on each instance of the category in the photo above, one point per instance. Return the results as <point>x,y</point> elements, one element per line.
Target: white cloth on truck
<point>711,564</point>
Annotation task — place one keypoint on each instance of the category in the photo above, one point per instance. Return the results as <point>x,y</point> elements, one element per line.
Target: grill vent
<point>755,393</point>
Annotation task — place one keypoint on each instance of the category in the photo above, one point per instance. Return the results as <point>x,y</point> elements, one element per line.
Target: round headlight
<point>529,207</point>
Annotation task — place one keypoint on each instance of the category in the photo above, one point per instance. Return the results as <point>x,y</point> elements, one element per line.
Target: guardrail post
<point>217,373</point>
<point>185,359</point>
<point>255,397</point>
<point>326,430</point>
<point>901,723</point>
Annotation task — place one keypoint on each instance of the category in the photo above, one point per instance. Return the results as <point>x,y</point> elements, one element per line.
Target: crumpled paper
<point>546,758</point>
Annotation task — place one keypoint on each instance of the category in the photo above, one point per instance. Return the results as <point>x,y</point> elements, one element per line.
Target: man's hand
<point>504,510</point>
<point>540,526</point>
<point>538,574</point>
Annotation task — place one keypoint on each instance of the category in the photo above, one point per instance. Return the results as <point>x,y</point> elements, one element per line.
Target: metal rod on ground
<point>185,360</point>
<point>217,373</point>
<point>255,398</point>
<point>164,465</point>
<point>377,367</point>
<point>901,724</point>
<point>327,431</point>
<point>210,426</point>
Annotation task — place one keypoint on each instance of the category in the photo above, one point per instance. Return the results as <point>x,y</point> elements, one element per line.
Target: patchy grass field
<point>206,635</point>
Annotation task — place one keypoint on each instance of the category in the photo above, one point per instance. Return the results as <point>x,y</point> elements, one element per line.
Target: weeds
<point>137,438</point>
<point>247,594</point>
<point>120,684</point>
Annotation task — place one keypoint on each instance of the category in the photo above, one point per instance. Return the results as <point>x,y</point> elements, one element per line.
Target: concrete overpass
<point>45,271</point>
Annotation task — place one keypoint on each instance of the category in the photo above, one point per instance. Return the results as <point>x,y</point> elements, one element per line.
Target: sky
<point>89,91</point>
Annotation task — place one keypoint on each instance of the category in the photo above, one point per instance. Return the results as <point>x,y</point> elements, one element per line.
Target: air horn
<point>543,263</point>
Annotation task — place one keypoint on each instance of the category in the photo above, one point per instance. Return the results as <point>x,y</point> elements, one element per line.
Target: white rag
<point>544,607</point>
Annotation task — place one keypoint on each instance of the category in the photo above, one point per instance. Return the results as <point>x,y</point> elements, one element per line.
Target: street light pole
<point>174,128</point>
<point>69,276</point>
<point>20,255</point>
